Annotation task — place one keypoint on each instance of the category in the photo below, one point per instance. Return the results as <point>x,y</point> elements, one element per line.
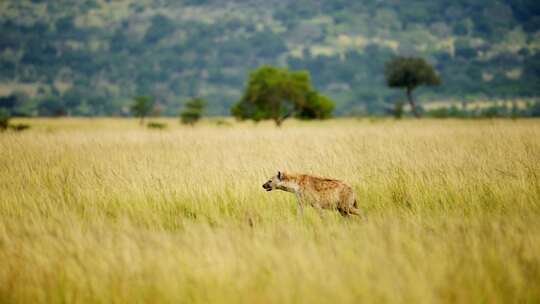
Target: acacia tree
<point>410,73</point>
<point>193,111</point>
<point>141,107</point>
<point>277,94</point>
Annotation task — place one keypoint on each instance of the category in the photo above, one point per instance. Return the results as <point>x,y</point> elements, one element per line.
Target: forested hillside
<point>91,57</point>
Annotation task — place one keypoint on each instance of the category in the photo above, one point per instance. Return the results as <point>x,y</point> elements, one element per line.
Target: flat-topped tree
<point>410,73</point>
<point>277,94</point>
<point>142,106</point>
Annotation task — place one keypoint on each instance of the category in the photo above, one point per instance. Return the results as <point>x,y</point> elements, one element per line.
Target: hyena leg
<point>300,208</point>
<point>354,211</point>
<point>319,210</point>
<point>343,212</point>
<point>349,207</point>
<point>300,211</point>
<point>349,211</point>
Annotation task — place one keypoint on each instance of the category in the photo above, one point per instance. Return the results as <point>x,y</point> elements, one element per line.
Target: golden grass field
<point>104,211</point>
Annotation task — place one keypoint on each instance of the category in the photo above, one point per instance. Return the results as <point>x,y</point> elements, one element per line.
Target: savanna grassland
<point>104,211</point>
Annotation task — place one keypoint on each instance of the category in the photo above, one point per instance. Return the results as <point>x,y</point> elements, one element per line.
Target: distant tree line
<point>481,49</point>
<point>144,106</point>
<point>278,93</point>
<point>271,93</point>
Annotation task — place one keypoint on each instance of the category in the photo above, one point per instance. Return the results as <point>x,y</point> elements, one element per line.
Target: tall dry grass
<point>103,211</point>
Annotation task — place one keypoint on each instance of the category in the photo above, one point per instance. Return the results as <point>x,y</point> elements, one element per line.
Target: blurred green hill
<point>91,57</point>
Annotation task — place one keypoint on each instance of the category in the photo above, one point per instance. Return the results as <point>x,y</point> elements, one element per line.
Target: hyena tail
<point>355,204</point>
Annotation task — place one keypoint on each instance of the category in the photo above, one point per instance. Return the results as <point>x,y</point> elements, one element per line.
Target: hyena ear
<point>279,175</point>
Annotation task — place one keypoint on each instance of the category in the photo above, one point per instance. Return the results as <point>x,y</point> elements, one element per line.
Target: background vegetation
<point>277,94</point>
<point>57,58</point>
<point>101,210</point>
<point>192,111</point>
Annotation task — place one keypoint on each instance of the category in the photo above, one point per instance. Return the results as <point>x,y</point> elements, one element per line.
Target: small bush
<point>223,122</point>
<point>452,111</point>
<point>4,119</point>
<point>156,125</point>
<point>438,113</point>
<point>533,109</point>
<point>398,110</point>
<point>19,127</point>
<point>491,112</point>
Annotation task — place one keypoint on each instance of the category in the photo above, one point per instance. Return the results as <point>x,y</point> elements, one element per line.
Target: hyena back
<point>319,192</point>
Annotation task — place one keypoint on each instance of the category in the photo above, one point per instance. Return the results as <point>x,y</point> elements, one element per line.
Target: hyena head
<point>281,181</point>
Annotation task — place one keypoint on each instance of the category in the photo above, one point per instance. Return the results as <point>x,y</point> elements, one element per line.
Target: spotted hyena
<point>319,192</point>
